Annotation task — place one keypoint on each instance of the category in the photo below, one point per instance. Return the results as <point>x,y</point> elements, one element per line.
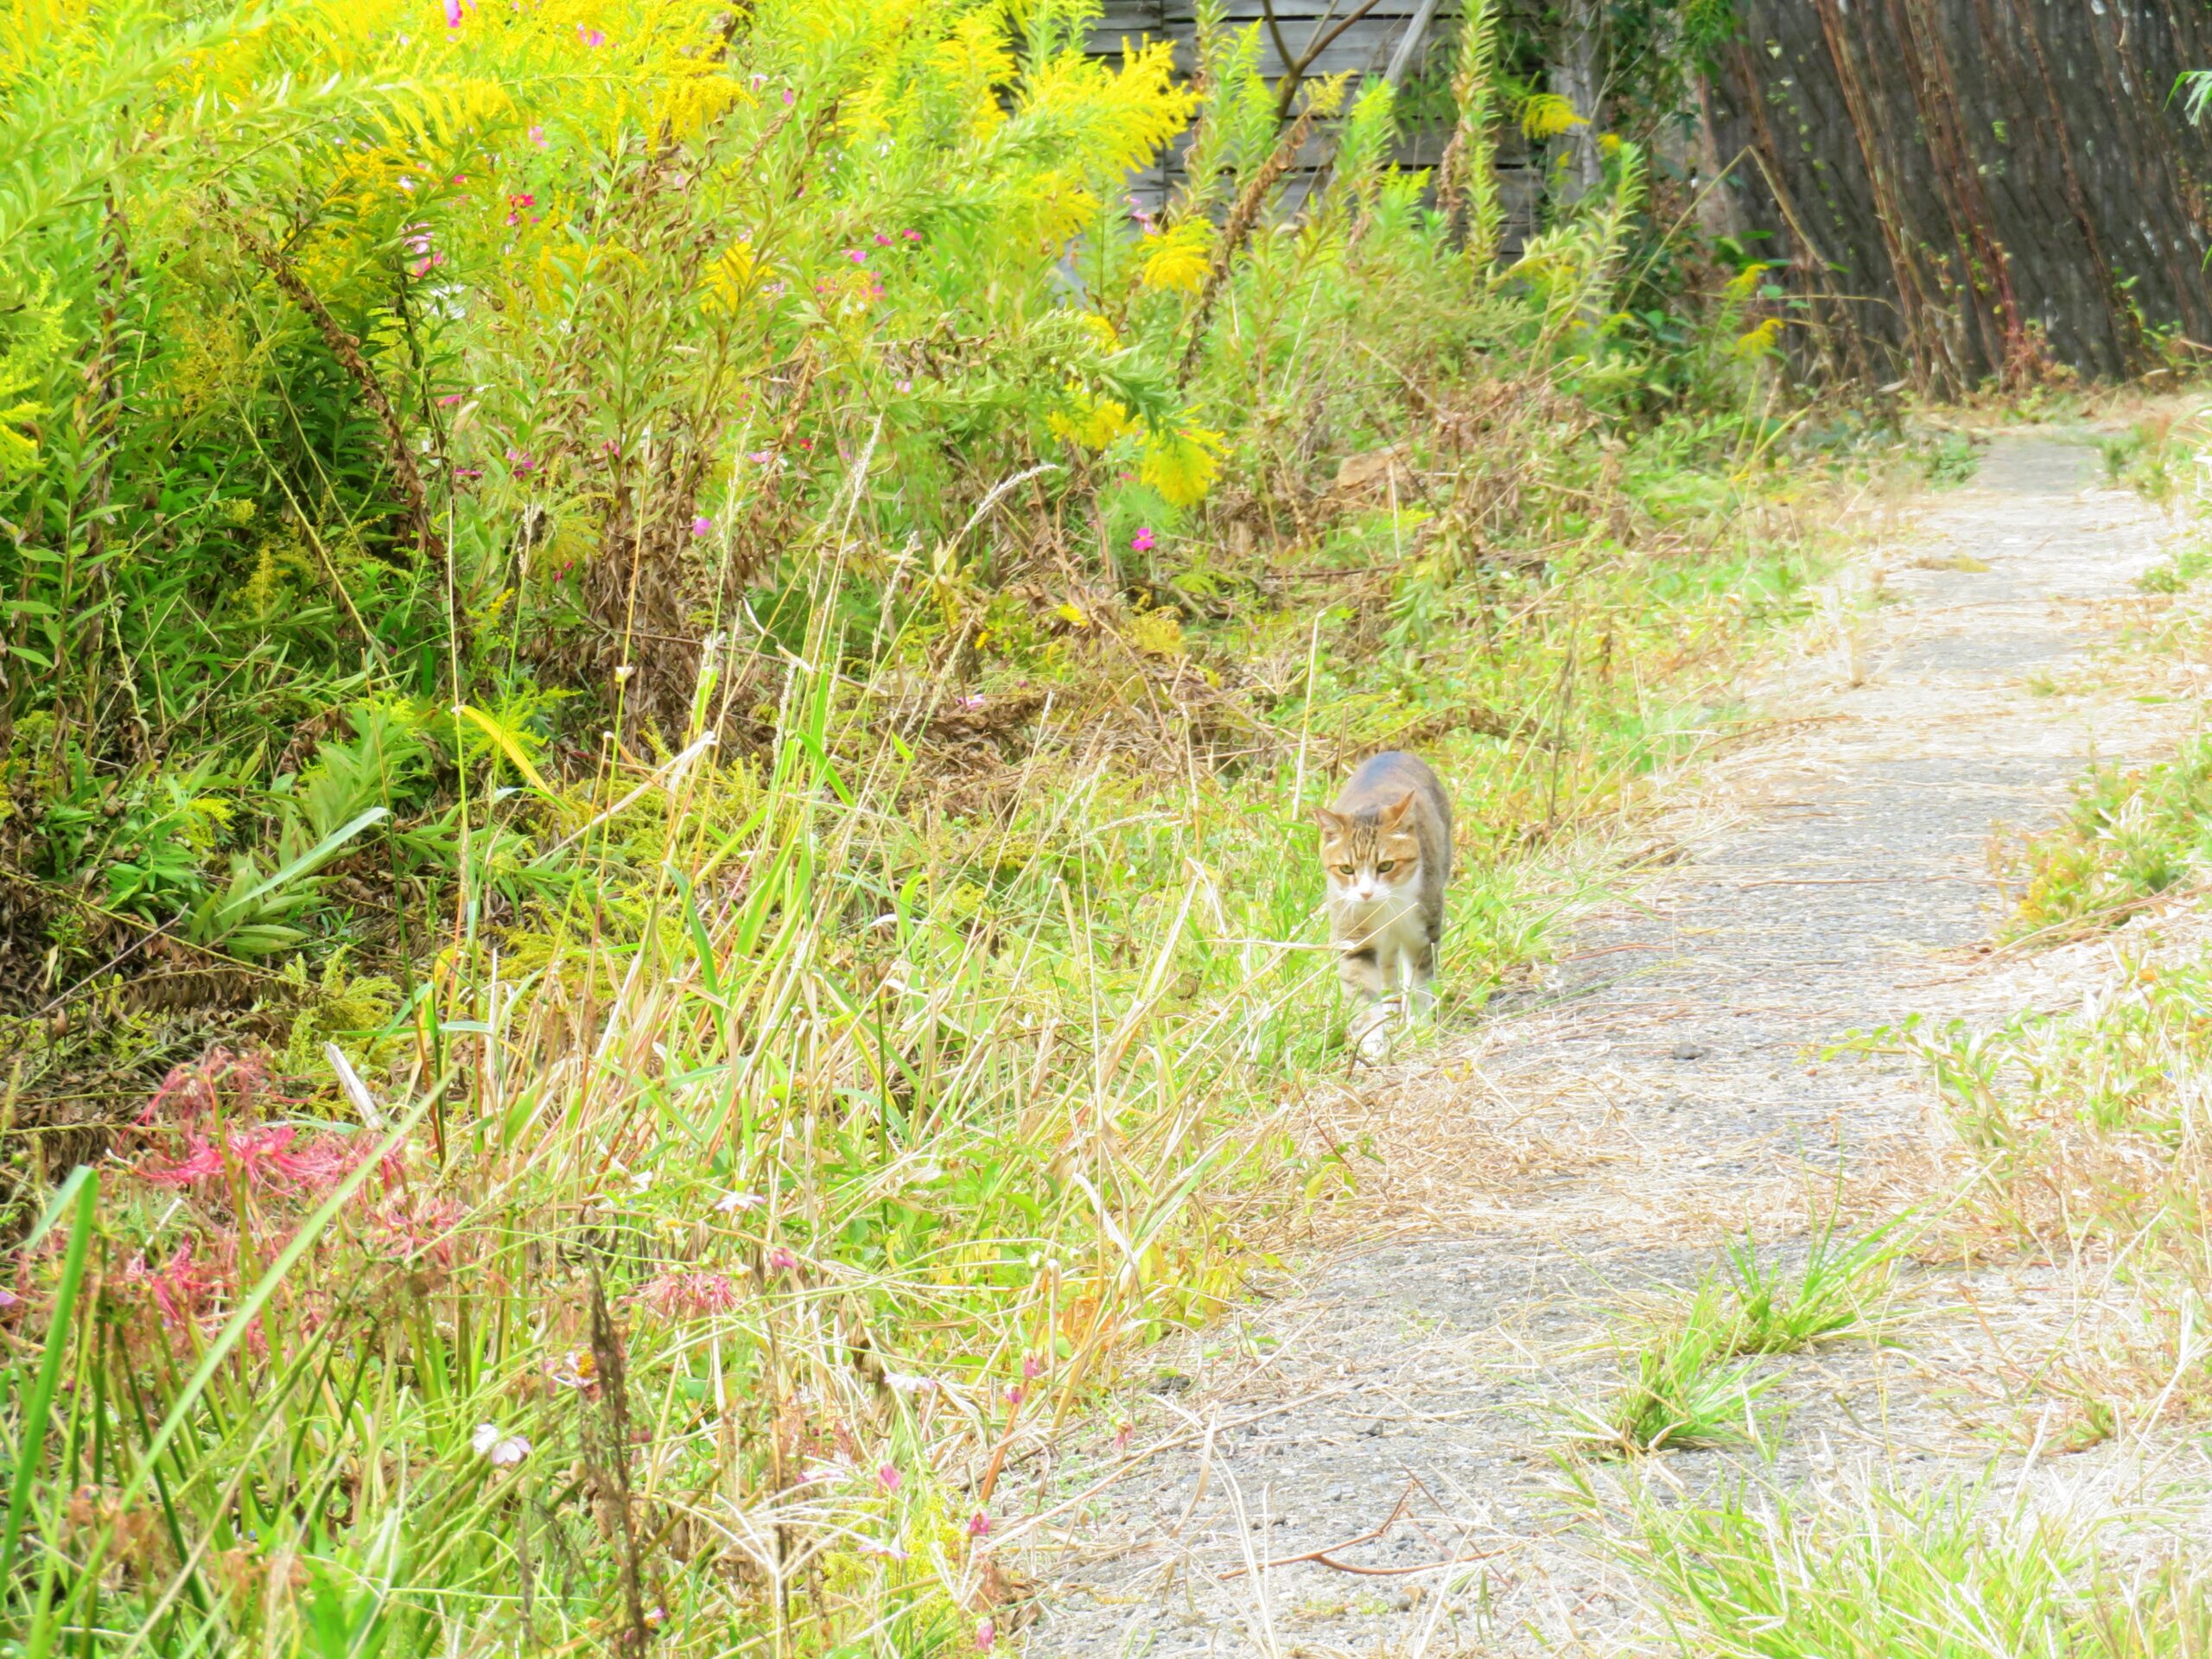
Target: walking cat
<point>1386,846</point>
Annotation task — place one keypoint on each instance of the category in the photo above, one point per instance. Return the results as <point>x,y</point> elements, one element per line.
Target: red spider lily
<point>201,1161</point>
<point>182,1287</point>
<point>218,1079</point>
<point>423,1229</point>
<point>690,1295</point>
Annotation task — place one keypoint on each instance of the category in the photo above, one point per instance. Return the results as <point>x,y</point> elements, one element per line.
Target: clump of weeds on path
<point>1693,1381</point>
<point>2081,1139</point>
<point>2132,837</point>
<point>1888,1572</point>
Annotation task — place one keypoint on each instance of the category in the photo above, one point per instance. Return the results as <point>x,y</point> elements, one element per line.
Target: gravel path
<point>1537,1174</point>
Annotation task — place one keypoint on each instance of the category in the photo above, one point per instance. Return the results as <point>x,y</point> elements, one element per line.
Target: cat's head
<point>1372,854</point>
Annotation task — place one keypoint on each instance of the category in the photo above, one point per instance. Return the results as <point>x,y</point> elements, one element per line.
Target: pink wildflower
<point>520,461</point>
<point>887,1552</point>
<point>702,526</point>
<point>881,240</point>
<point>450,399</point>
<point>523,200</point>
<point>1032,1368</point>
<point>690,1295</point>
<point>537,136</point>
<point>979,1525</point>
<point>730,1203</point>
<point>1013,1394</point>
<point>217,1079</point>
<point>858,256</point>
<point>591,37</point>
<point>903,385</point>
<point>1141,542</point>
<point>453,14</point>
<point>888,1477</point>
<point>782,1259</point>
<point>500,1451</point>
<point>179,1288</point>
<point>422,1229</point>
<point>911,236</point>
<point>987,1633</point>
<point>201,1161</point>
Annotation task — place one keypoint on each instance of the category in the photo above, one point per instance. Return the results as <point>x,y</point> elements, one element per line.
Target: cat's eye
<point>1344,869</point>
<point>1386,867</point>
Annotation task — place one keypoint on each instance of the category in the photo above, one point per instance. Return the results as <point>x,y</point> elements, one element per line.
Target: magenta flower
<point>591,37</point>
<point>690,1295</point>
<point>987,1633</point>
<point>537,136</point>
<point>201,1161</point>
<point>1031,1367</point>
<point>911,236</point>
<point>702,526</point>
<point>520,461</point>
<point>858,256</point>
<point>881,240</point>
<point>888,1477</point>
<point>450,399</point>
<point>979,1525</point>
<point>453,14</point>
<point>1013,1394</point>
<point>1141,542</point>
<point>782,1259</point>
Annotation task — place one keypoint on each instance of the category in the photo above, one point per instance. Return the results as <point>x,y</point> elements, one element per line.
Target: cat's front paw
<point>1370,1033</point>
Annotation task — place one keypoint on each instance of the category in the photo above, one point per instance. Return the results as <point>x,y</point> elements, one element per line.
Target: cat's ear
<point>1332,824</point>
<point>1392,816</point>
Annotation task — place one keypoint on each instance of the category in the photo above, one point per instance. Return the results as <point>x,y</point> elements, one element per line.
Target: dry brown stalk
<point>347,351</point>
<point>1242,218</point>
<point>614,1479</point>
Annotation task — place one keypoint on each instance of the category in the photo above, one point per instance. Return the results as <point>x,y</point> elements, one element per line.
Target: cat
<point>1386,848</point>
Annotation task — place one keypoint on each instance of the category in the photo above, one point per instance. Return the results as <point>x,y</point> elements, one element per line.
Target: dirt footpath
<point>1393,1410</point>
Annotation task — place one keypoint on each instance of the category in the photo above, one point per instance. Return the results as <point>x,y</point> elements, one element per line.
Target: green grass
<point>2131,836</point>
<point>1898,1574</point>
<point>1838,1288</point>
<point>1684,1388</point>
<point>1694,1380</point>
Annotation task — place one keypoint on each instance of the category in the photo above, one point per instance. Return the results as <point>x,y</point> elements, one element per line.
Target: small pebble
<point>1691,1051</point>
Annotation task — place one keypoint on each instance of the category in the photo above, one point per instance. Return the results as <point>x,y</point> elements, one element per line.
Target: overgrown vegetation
<point>661,664</point>
<point>1692,1381</point>
<point>2131,835</point>
<point>1898,1574</point>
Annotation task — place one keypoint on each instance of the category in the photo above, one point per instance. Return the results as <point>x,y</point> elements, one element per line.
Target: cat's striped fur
<point>1386,846</point>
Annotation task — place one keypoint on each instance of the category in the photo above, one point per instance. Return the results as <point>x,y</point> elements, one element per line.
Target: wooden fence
<point>1363,44</point>
<point>1970,190</point>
